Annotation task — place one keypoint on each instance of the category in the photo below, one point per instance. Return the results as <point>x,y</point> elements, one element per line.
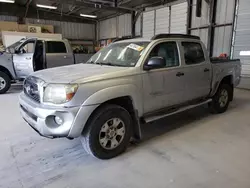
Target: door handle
<point>28,58</point>
<point>179,74</point>
<point>206,70</point>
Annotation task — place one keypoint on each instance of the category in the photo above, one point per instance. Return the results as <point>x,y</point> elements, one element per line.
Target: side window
<point>193,53</point>
<point>27,47</point>
<point>168,51</point>
<point>56,47</point>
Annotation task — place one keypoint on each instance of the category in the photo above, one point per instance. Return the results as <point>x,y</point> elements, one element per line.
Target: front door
<point>57,54</point>
<point>23,59</point>
<point>163,87</point>
<point>197,71</point>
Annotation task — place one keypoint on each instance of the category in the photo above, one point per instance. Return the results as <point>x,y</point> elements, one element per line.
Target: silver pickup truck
<point>106,101</point>
<point>29,55</point>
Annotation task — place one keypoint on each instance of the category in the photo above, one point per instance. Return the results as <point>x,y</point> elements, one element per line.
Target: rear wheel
<point>221,99</point>
<point>108,132</point>
<point>5,82</point>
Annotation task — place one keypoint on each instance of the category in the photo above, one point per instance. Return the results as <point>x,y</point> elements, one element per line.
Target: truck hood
<point>77,73</point>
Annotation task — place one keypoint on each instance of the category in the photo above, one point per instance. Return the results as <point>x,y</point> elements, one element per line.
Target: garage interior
<point>193,149</point>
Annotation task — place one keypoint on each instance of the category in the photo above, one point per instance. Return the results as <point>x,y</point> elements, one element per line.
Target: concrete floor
<point>191,150</point>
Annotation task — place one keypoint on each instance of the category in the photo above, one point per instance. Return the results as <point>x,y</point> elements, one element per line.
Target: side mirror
<point>155,63</point>
<point>12,50</point>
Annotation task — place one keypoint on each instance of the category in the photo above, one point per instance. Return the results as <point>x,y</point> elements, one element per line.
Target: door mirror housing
<point>12,50</point>
<point>155,63</point>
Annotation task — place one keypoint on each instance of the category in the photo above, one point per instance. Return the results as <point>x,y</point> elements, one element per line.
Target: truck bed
<point>215,60</point>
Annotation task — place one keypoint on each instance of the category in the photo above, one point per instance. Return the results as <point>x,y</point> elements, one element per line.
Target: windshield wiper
<point>106,63</point>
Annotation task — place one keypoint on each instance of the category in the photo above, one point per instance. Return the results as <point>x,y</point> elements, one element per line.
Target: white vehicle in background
<point>29,55</point>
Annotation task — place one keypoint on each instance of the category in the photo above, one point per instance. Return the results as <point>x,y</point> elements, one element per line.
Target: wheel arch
<point>125,102</point>
<point>228,79</point>
<point>6,71</point>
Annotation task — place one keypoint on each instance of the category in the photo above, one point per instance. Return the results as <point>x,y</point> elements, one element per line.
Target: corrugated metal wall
<point>8,18</point>
<point>164,19</point>
<point>148,24</point>
<point>202,33</point>
<point>108,28</point>
<point>202,21</point>
<point>241,45</point>
<point>222,34</point>
<point>179,18</point>
<point>69,30</point>
<point>119,26</point>
<point>124,25</point>
<point>138,26</point>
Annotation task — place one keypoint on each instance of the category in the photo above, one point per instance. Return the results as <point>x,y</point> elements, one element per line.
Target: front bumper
<point>41,118</point>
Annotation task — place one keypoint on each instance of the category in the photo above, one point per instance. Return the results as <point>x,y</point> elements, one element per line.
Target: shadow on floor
<point>15,89</point>
<point>183,120</point>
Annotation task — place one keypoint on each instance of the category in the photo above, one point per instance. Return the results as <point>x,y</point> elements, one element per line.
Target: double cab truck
<point>107,100</point>
<point>29,55</point>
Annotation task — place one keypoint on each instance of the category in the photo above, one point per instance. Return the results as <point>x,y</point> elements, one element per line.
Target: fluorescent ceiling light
<point>88,16</point>
<point>46,6</point>
<point>7,1</point>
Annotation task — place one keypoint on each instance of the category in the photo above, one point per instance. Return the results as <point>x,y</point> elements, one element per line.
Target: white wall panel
<point>108,28</point>
<point>179,18</point>
<point>162,20</point>
<point>69,30</point>
<point>138,26</point>
<point>204,19</point>
<point>148,24</point>
<point>124,25</point>
<point>119,26</point>
<point>225,11</point>
<point>8,18</point>
<point>222,40</point>
<point>202,33</point>
<point>242,36</point>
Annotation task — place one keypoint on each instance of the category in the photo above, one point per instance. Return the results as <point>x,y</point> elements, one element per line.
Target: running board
<point>153,118</point>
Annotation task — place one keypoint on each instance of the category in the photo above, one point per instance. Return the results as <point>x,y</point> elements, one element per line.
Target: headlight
<point>59,93</point>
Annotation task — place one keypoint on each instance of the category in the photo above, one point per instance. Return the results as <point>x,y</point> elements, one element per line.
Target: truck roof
<point>159,36</point>
<point>46,39</point>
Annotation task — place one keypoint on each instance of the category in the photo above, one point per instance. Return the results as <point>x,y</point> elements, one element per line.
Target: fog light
<point>58,120</point>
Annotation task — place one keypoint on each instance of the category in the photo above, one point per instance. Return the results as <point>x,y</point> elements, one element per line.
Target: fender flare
<point>217,84</point>
<point>114,92</point>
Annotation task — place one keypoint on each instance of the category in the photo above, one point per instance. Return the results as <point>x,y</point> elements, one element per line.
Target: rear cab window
<point>193,53</point>
<point>56,47</point>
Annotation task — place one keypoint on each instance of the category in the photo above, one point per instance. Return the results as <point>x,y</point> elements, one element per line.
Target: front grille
<point>31,89</point>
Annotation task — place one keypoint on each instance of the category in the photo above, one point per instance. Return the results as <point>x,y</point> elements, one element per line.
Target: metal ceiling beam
<point>27,7</point>
<point>74,10</point>
<point>87,3</point>
<point>63,14</point>
<point>18,10</point>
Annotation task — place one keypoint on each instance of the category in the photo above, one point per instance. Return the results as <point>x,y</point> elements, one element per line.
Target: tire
<point>221,99</point>
<point>5,83</point>
<point>97,139</point>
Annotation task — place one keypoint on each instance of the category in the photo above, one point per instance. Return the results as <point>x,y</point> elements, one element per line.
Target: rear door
<point>23,59</point>
<point>58,54</point>
<point>197,70</point>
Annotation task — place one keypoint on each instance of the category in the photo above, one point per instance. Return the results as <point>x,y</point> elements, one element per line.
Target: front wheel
<point>221,99</point>
<point>5,83</point>
<point>108,132</point>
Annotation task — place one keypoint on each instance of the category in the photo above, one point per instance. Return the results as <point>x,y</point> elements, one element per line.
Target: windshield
<point>119,54</point>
